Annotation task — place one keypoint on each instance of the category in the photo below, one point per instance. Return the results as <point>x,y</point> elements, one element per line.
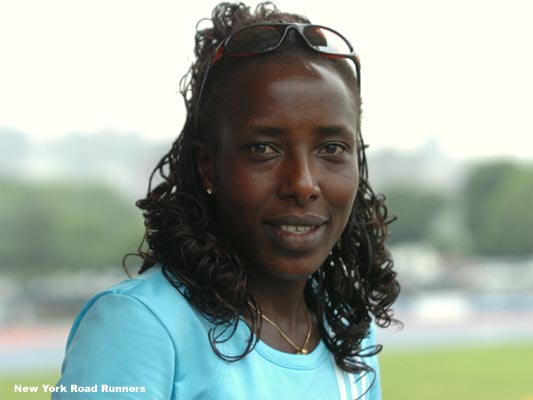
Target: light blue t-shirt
<point>141,339</point>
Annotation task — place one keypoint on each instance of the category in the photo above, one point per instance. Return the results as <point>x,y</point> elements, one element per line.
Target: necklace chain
<point>299,350</point>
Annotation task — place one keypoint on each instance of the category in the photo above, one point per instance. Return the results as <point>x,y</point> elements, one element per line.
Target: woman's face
<point>284,169</point>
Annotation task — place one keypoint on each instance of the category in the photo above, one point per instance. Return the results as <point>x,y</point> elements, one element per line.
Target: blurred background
<point>89,102</point>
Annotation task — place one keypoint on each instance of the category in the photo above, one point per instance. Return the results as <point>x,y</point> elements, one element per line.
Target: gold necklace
<point>299,350</point>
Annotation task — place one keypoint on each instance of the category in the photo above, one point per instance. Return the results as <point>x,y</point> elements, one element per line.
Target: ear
<point>205,164</point>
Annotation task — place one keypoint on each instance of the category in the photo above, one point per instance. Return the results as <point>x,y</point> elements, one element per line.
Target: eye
<point>333,148</point>
<point>262,149</point>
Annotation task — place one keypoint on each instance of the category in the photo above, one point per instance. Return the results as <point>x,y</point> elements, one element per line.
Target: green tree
<point>68,226</point>
<point>416,209</point>
<point>498,206</point>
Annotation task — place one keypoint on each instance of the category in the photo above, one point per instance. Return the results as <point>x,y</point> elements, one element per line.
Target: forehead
<point>271,67</point>
<point>308,69</point>
<point>280,84</point>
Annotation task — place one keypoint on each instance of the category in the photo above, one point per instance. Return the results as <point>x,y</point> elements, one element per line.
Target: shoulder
<point>141,332</point>
<point>149,296</point>
<point>122,338</point>
<point>151,288</point>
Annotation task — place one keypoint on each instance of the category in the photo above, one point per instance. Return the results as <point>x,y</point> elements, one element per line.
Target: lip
<point>295,219</point>
<point>297,241</point>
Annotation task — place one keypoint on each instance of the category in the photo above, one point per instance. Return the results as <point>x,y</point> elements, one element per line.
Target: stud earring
<point>209,191</point>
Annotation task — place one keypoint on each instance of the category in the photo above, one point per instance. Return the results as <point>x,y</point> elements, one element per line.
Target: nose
<point>300,180</point>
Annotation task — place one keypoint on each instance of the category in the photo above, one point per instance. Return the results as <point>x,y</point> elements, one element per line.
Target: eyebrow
<point>261,130</point>
<point>274,131</point>
<point>333,130</point>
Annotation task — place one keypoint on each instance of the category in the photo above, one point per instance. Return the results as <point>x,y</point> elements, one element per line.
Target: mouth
<point>297,229</point>
<point>297,233</point>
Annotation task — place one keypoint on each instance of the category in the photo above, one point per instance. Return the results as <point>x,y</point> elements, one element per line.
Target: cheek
<point>342,190</point>
<point>240,190</point>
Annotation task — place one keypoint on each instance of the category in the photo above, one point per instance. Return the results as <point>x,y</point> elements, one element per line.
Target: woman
<point>266,258</point>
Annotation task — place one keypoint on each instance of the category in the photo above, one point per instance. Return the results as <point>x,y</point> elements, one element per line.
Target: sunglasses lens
<point>326,41</point>
<point>255,39</point>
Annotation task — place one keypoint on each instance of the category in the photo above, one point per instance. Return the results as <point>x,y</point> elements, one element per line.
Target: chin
<point>297,269</point>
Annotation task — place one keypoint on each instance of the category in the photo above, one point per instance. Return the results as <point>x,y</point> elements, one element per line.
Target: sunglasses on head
<point>261,38</point>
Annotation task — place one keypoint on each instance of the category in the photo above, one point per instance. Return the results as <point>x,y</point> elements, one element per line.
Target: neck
<point>282,300</point>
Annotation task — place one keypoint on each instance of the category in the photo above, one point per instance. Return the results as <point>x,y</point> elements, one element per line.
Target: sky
<point>457,73</point>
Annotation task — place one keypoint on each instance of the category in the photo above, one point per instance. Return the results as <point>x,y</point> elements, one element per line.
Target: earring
<point>209,191</point>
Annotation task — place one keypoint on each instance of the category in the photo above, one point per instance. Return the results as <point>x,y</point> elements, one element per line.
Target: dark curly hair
<point>355,282</point>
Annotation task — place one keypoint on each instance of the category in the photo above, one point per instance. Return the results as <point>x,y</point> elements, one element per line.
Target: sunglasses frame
<point>298,27</point>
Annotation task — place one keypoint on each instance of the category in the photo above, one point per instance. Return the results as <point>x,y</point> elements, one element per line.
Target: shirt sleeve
<point>118,349</point>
